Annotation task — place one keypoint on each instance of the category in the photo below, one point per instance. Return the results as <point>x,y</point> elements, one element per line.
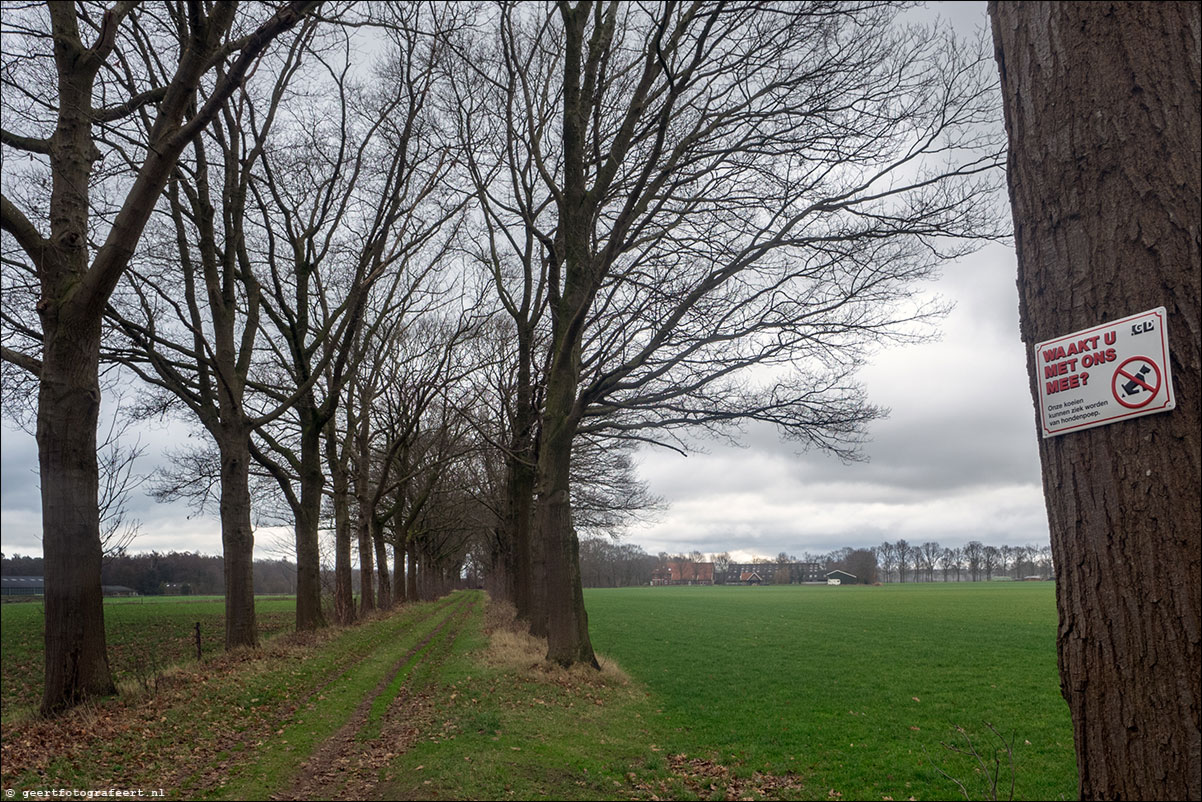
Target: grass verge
<point>509,726</point>
<point>240,724</point>
<point>146,636</point>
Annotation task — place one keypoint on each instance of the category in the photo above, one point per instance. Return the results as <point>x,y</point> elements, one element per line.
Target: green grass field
<point>736,693</point>
<point>853,688</point>
<point>145,635</point>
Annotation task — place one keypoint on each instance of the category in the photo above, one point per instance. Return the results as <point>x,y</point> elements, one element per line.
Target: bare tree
<point>887,555</point>
<point>189,310</point>
<point>1005,558</point>
<point>1103,113</point>
<point>863,564</point>
<point>64,85</point>
<point>989,561</point>
<point>929,554</point>
<point>351,198</point>
<point>905,556</point>
<point>502,71</point>
<point>721,202</point>
<point>950,560</point>
<point>974,557</point>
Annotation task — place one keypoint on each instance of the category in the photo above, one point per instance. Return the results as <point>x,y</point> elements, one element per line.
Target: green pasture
<point>145,635</point>
<point>853,688</point>
<point>741,692</point>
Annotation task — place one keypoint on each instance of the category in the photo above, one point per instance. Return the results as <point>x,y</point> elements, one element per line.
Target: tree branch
<point>111,113</point>
<point>21,360</point>
<point>28,144</point>
<point>14,221</point>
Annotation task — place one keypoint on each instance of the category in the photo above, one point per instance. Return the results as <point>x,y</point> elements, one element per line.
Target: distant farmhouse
<point>683,572</point>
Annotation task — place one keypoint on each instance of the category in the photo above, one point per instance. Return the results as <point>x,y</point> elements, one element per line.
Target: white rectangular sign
<point>1105,374</point>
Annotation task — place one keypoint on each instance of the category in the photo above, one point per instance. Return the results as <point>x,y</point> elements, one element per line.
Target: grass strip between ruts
<point>277,760</point>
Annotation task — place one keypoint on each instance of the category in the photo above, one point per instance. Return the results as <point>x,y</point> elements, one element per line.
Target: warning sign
<point>1142,382</point>
<point>1102,375</point>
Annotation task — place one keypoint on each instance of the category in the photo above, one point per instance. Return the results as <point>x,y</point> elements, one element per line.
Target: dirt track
<point>346,764</point>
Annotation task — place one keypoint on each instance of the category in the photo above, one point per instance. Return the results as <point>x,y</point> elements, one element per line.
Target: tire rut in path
<point>191,782</point>
<point>345,767</point>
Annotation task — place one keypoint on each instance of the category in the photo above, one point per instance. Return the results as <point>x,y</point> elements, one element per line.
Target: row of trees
<point>157,573</point>
<point>434,302</point>
<point>974,561</point>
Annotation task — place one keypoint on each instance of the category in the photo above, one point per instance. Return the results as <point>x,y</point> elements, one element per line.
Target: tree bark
<point>398,572</point>
<point>344,596</point>
<point>384,592</point>
<point>308,520</point>
<point>237,534</point>
<point>568,640</point>
<point>411,573</point>
<point>1102,106</point>
<point>520,479</point>
<point>76,660</point>
<point>363,492</point>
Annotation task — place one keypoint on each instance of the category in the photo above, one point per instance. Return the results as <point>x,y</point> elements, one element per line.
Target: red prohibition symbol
<point>1135,387</point>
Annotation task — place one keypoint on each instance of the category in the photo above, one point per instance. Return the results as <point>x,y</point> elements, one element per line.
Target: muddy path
<point>387,722</point>
<point>305,716</point>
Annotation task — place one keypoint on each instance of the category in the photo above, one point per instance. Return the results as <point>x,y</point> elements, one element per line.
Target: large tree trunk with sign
<point>1102,111</point>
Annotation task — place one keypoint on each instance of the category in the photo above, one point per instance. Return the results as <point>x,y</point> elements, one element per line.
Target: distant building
<point>683,572</point>
<point>21,586</point>
<point>750,578</point>
<point>36,586</point>
<point>840,578</point>
<point>772,573</point>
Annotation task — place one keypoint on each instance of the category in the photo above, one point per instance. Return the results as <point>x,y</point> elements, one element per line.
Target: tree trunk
<point>431,587</point>
<point>567,622</point>
<point>398,571</point>
<point>1102,108</point>
<point>499,572</point>
<point>68,408</point>
<point>308,521</point>
<point>367,577</point>
<point>520,478</point>
<point>76,660</point>
<point>519,502</point>
<point>237,535</point>
<point>384,594</point>
<point>367,572</point>
<point>411,573</point>
<point>344,595</point>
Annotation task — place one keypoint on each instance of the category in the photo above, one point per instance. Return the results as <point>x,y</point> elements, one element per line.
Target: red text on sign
<point>1082,346</point>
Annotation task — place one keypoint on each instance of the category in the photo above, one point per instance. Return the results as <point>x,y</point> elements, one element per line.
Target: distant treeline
<point>609,564</point>
<point>171,573</point>
<point>604,563</point>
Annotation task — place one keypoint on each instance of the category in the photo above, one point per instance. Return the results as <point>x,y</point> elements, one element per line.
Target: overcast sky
<point>955,461</point>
